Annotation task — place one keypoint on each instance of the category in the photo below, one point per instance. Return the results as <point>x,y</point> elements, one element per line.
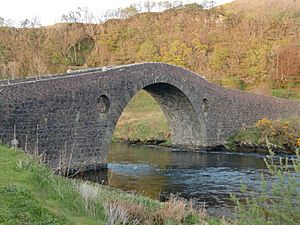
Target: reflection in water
<point>207,178</point>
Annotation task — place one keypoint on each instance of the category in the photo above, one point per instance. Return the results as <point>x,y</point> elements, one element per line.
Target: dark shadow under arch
<point>185,126</point>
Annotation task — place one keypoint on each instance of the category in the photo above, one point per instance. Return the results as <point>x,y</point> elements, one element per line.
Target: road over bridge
<point>70,118</point>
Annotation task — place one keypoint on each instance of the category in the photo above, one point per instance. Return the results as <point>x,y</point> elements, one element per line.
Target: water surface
<point>206,177</point>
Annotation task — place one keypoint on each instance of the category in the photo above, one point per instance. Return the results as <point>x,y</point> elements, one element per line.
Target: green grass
<point>286,93</point>
<point>153,127</point>
<point>18,206</point>
<point>142,102</point>
<point>250,135</point>
<point>31,194</point>
<point>290,91</point>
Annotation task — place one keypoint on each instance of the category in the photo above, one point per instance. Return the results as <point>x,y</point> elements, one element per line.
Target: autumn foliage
<point>249,45</point>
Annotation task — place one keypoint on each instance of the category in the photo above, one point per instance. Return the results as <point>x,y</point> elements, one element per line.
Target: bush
<point>279,201</point>
<point>284,133</point>
<point>277,135</point>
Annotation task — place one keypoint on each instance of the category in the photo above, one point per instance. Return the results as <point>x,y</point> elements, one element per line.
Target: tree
<point>80,15</point>
<point>178,54</point>
<point>287,64</point>
<point>208,4</point>
<point>2,22</point>
<point>164,5</point>
<point>30,23</point>
<point>177,4</point>
<point>218,60</point>
<point>148,5</point>
<point>128,12</point>
<point>148,51</point>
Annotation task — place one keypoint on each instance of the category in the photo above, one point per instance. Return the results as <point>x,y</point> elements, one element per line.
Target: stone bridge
<point>70,118</point>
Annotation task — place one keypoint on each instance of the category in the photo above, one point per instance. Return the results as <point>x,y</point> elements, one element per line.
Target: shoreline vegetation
<point>280,136</point>
<point>31,193</point>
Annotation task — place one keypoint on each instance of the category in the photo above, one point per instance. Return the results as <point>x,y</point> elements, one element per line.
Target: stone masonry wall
<point>70,118</point>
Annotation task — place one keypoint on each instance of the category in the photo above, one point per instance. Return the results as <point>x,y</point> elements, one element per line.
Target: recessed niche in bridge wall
<point>103,104</point>
<point>205,105</point>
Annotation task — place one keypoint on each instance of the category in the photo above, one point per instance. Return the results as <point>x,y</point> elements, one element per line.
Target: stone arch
<point>79,110</point>
<point>187,129</point>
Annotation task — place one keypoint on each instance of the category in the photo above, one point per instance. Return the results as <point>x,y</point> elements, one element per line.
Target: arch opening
<point>185,126</point>
<point>172,111</point>
<point>142,121</point>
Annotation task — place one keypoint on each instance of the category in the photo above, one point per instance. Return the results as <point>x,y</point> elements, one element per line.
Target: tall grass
<point>279,201</point>
<point>30,193</point>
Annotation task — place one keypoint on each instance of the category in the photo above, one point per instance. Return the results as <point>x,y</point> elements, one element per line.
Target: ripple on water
<point>206,177</point>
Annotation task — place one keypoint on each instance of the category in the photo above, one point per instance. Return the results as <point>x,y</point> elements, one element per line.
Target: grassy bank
<point>277,135</point>
<point>31,194</point>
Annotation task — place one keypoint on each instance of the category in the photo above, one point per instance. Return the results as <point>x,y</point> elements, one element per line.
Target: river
<point>208,178</point>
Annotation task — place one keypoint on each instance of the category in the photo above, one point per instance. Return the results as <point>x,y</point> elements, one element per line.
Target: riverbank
<point>31,194</point>
<point>143,123</point>
<point>280,136</point>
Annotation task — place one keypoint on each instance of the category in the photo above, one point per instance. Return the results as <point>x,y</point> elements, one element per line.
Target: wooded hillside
<point>251,45</point>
